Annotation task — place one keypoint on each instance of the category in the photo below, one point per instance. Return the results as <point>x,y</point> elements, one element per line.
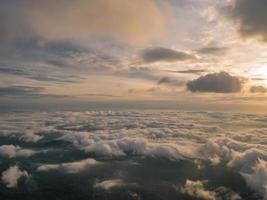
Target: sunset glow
<point>133,99</point>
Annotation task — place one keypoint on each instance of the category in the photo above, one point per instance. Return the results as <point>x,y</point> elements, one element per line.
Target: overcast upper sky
<point>186,52</point>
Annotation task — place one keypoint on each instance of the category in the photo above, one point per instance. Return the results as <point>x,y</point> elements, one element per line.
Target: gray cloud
<point>19,90</point>
<point>258,89</point>
<point>212,50</point>
<point>28,91</point>
<point>160,54</point>
<point>12,71</point>
<point>251,17</point>
<point>216,82</point>
<point>189,71</point>
<point>170,81</point>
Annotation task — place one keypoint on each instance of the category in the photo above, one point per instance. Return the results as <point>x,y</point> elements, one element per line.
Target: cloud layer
<point>165,150</point>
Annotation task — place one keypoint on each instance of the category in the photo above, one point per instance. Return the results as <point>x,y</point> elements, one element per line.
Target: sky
<point>207,54</point>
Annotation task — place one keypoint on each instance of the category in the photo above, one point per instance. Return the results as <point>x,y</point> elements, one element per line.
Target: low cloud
<point>15,151</point>
<point>109,184</point>
<point>196,189</point>
<point>70,167</point>
<point>257,180</point>
<point>160,54</point>
<point>216,82</point>
<point>258,89</point>
<point>11,176</point>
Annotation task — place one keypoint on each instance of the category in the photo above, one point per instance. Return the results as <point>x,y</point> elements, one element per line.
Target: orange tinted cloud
<point>130,21</point>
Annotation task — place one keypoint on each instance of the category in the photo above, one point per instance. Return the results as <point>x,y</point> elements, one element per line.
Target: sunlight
<point>261,72</point>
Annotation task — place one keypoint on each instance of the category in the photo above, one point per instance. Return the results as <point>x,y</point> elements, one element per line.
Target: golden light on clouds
<point>135,21</point>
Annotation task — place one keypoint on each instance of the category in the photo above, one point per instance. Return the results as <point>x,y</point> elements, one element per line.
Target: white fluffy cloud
<point>257,180</point>
<point>124,146</point>
<point>109,184</point>
<point>11,176</point>
<point>204,136</point>
<point>13,151</point>
<point>196,189</point>
<point>70,167</point>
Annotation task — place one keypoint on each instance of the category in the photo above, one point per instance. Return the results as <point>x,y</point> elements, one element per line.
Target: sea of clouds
<point>133,155</point>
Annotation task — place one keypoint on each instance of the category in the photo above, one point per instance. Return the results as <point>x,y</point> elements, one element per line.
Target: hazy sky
<point>191,53</point>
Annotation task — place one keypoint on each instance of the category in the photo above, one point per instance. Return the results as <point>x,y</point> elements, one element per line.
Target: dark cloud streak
<point>160,54</point>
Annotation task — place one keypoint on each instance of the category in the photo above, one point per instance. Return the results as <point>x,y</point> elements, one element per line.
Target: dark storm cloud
<point>216,82</point>
<point>160,54</point>
<point>251,17</point>
<point>258,89</point>
<point>213,50</point>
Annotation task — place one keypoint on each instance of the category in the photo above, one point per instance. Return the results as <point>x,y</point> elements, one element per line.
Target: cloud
<point>216,82</point>
<point>189,71</point>
<point>160,54</point>
<point>122,147</point>
<point>27,91</point>
<point>170,81</point>
<point>145,134</point>
<point>258,89</point>
<point>11,176</point>
<point>257,180</point>
<point>109,184</point>
<point>22,134</point>
<point>70,167</point>
<point>82,19</point>
<point>15,151</point>
<point>12,71</point>
<point>251,18</point>
<point>19,90</point>
<point>196,189</point>
<point>212,50</point>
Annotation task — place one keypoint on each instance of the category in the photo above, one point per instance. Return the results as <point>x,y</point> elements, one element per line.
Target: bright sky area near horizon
<point>191,54</point>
